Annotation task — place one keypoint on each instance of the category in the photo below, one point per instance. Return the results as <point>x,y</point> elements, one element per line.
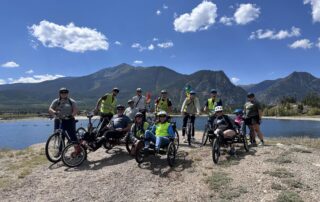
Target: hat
<point>120,107</point>
<point>213,91</point>
<point>63,90</point>
<point>115,89</point>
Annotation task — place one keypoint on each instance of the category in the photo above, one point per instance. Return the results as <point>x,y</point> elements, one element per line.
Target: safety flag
<point>148,97</point>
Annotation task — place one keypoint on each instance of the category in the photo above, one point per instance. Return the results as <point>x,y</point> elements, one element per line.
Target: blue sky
<point>249,40</point>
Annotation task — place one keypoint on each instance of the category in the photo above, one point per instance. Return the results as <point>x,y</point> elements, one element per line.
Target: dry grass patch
<point>283,158</point>
<point>292,183</point>
<point>219,181</point>
<point>305,141</point>
<point>300,150</point>
<point>279,173</point>
<point>288,196</point>
<point>277,186</point>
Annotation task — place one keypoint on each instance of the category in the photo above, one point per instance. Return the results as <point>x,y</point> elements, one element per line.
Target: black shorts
<point>252,120</point>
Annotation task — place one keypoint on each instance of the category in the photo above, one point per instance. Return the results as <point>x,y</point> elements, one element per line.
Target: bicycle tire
<point>177,139</point>
<point>139,156</point>
<point>128,143</point>
<point>58,144</point>
<point>70,161</point>
<point>245,142</point>
<point>171,154</point>
<point>205,136</point>
<point>216,150</point>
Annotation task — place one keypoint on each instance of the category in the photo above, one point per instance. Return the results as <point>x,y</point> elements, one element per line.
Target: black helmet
<point>119,107</point>
<point>63,90</point>
<point>163,91</point>
<point>192,92</point>
<point>250,95</point>
<point>139,114</point>
<point>139,90</point>
<point>115,89</point>
<point>213,91</point>
<point>130,101</point>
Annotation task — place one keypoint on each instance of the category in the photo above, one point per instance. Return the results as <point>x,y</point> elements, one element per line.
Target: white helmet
<point>218,109</point>
<point>162,113</point>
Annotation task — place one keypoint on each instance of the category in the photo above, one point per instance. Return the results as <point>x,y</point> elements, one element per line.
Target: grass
<point>289,196</point>
<point>279,173</point>
<point>305,141</point>
<point>231,161</point>
<point>218,181</point>
<point>233,193</point>
<point>283,158</point>
<point>277,186</point>
<point>292,183</point>
<point>300,150</point>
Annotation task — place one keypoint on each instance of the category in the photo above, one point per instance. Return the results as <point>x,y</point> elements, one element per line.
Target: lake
<point>19,134</point>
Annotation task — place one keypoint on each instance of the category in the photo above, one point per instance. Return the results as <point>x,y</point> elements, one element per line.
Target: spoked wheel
<point>216,150</point>
<point>177,140</point>
<point>129,143</point>
<point>74,155</point>
<point>139,152</point>
<point>54,147</point>
<point>80,133</point>
<point>205,135</point>
<point>245,142</point>
<point>171,154</point>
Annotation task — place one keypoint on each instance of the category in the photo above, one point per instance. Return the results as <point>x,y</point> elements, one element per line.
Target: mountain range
<point>31,97</point>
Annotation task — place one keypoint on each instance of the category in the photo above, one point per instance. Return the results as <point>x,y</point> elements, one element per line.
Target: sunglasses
<point>162,116</point>
<point>64,92</point>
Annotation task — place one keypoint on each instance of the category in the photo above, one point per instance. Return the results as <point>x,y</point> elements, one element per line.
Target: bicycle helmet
<point>115,89</point>
<point>139,90</point>
<point>192,92</point>
<point>218,109</point>
<point>130,101</point>
<point>139,114</point>
<point>119,107</point>
<point>213,91</point>
<point>238,111</point>
<point>163,91</point>
<point>250,95</point>
<point>162,113</point>
<point>63,90</point>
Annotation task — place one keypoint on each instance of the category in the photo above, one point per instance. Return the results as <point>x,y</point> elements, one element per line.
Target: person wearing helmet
<point>106,106</point>
<point>224,126</point>
<point>131,111</point>
<point>138,129</point>
<point>140,102</point>
<point>163,103</point>
<point>210,105</point>
<point>118,126</point>
<point>253,115</point>
<point>190,108</point>
<point>65,108</point>
<point>159,133</point>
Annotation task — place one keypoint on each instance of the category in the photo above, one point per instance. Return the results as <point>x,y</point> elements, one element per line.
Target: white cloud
<point>137,62</point>
<point>201,18</point>
<point>246,13</point>
<point>165,7</point>
<point>271,34</point>
<point>315,4</point>
<point>10,64</point>
<point>158,12</point>
<point>235,80</point>
<point>35,78</point>
<point>138,46</point>
<point>69,37</point>
<point>303,43</point>
<point>118,43</point>
<point>168,44</point>
<point>29,71</point>
<point>226,20</point>
<point>155,39</point>
<point>151,47</point>
<point>2,82</point>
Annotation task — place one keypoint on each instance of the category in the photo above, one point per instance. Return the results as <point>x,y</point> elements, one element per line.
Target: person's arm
<point>52,108</point>
<point>170,131</point>
<point>183,105</point>
<point>205,109</point>
<point>198,106</point>
<point>74,108</point>
<point>96,109</point>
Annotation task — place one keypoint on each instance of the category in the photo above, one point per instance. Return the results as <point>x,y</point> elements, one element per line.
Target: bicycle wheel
<point>128,143</point>
<point>205,136</point>
<point>245,142</point>
<point>74,154</point>
<point>171,154</point>
<point>54,147</point>
<point>80,133</point>
<point>139,152</point>
<point>177,140</point>
<point>216,150</point>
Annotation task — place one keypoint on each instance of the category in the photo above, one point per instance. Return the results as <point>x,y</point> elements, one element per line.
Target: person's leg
<point>184,124</point>
<point>149,136</point>
<point>161,142</point>
<point>70,127</point>
<point>230,134</point>
<point>193,118</point>
<point>258,131</point>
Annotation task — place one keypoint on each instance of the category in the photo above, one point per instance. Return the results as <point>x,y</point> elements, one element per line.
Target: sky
<point>251,41</point>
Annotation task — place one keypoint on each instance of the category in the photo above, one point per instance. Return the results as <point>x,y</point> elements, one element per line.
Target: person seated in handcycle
<point>138,129</point>
<point>118,126</point>
<point>160,133</point>
<point>224,127</point>
<point>239,121</point>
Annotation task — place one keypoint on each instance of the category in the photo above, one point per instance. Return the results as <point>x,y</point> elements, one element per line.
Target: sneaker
<point>261,143</point>
<point>185,140</point>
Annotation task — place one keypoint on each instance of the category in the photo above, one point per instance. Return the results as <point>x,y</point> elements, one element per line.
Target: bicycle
<point>208,131</point>
<point>57,141</point>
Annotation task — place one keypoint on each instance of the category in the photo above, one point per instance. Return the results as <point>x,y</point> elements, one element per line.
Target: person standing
<point>163,103</point>
<point>131,111</point>
<point>140,102</point>
<point>190,108</point>
<point>253,116</point>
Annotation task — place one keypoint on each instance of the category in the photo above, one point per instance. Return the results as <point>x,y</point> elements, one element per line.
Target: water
<point>23,133</point>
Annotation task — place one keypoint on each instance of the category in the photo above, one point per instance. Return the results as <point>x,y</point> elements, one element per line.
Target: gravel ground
<point>115,176</point>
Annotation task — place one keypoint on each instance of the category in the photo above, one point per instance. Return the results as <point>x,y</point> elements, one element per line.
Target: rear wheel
<point>205,135</point>
<point>171,154</point>
<point>216,150</point>
<point>54,147</point>
<point>74,155</point>
<point>139,152</point>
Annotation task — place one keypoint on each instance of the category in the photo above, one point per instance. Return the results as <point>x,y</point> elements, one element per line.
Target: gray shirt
<point>139,102</point>
<point>131,112</point>
<point>119,121</point>
<point>65,106</point>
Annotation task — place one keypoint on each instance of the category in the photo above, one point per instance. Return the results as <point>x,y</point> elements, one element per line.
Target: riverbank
<point>279,171</point>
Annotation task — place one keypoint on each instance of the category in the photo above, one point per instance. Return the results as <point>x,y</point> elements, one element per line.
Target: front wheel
<point>139,152</point>
<point>216,150</point>
<point>205,136</point>
<point>54,147</point>
<point>74,155</point>
<point>171,154</point>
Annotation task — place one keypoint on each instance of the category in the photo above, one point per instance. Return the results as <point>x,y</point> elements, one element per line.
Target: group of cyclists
<point>118,120</point>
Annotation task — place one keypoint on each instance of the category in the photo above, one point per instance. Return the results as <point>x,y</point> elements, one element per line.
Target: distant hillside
<point>87,89</point>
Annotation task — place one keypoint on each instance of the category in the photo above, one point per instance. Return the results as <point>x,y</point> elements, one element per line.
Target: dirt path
<point>264,174</point>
